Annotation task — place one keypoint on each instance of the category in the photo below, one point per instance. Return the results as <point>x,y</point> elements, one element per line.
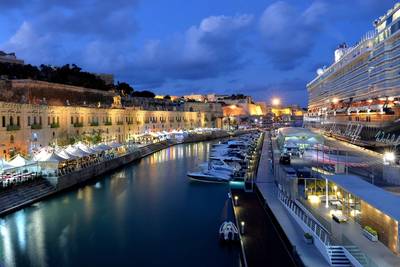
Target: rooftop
<point>379,198</point>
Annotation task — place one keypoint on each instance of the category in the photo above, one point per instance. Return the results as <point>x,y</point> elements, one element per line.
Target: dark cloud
<point>290,34</point>
<point>95,34</point>
<point>208,50</point>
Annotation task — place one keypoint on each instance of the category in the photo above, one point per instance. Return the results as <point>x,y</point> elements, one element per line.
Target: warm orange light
<point>276,101</point>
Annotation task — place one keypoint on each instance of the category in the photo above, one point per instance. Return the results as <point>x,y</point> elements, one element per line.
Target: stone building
<point>34,114</point>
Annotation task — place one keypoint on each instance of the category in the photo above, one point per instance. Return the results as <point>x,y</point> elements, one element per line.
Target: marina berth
<point>228,160</point>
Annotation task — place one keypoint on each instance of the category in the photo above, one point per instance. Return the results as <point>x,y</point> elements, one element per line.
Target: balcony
<point>94,123</point>
<point>120,123</point>
<point>36,126</point>
<point>108,123</point>
<point>13,127</point>
<point>78,124</point>
<point>55,125</point>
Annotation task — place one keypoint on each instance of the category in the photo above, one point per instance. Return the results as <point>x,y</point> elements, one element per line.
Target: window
<point>11,120</point>
<point>58,119</point>
<point>34,120</point>
<point>3,120</point>
<point>72,120</point>
<point>40,120</point>
<point>48,120</point>
<point>18,121</point>
<point>29,120</point>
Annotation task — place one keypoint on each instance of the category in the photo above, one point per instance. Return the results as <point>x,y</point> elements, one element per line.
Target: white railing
<point>322,240</point>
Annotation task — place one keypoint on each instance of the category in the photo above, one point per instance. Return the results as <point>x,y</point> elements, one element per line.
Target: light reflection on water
<point>146,212</point>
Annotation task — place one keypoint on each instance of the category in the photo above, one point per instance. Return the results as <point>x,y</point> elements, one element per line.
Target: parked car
<point>284,159</point>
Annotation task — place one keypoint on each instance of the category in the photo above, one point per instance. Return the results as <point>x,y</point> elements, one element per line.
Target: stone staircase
<point>337,256</point>
<point>358,254</point>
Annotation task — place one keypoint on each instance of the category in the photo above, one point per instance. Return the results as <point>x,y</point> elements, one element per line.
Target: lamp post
<point>276,101</point>
<point>236,200</point>
<point>242,227</point>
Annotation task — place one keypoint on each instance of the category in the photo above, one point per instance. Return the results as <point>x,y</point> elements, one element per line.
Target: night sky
<point>176,47</point>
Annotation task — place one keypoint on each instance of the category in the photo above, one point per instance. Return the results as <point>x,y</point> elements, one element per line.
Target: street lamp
<point>388,158</point>
<point>276,101</point>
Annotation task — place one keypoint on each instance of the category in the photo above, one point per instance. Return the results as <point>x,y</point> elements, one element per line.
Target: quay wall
<point>78,177</point>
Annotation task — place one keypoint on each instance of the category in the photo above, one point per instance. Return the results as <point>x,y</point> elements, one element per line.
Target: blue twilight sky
<point>176,47</point>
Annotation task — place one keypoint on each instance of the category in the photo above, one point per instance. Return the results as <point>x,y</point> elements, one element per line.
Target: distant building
<point>9,58</point>
<point>199,98</point>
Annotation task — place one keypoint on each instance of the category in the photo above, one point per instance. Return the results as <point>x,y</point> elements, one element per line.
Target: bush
<point>36,126</point>
<point>55,125</point>
<point>308,236</point>
<point>13,127</point>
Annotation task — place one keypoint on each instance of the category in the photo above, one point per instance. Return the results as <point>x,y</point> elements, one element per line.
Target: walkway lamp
<point>389,158</point>
<point>236,200</point>
<point>242,227</point>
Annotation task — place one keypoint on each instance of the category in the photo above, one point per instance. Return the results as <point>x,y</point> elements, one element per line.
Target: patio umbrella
<point>18,161</point>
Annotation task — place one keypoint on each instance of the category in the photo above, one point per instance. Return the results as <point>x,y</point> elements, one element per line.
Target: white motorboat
<point>220,164</point>
<point>228,231</point>
<point>210,175</point>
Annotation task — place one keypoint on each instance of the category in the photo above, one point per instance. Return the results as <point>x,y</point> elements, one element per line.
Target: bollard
<point>236,200</point>
<point>242,227</point>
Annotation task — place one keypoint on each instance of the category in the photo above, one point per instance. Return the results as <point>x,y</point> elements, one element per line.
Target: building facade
<point>9,58</point>
<point>27,124</point>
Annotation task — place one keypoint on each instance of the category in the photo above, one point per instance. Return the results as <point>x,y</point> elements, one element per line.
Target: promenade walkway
<point>309,255</point>
<point>14,197</point>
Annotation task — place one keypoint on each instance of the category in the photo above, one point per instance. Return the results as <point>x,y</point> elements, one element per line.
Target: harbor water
<point>145,214</point>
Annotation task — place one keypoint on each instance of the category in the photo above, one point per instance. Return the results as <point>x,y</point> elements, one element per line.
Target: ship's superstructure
<point>358,97</point>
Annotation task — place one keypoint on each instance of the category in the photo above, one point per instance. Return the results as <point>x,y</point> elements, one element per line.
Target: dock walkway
<point>262,242</point>
<point>309,255</point>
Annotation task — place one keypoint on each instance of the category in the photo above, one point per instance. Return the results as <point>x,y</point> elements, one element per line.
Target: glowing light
<point>390,98</point>
<point>276,101</point>
<point>314,199</point>
<point>335,100</point>
<point>389,157</point>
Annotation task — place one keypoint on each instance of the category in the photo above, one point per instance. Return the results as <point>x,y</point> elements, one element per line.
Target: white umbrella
<point>18,161</point>
<point>52,157</point>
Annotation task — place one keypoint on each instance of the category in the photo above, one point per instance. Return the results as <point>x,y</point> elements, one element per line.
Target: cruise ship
<point>357,98</point>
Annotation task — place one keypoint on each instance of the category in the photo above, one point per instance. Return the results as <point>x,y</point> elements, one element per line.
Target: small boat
<point>228,231</point>
<point>210,176</point>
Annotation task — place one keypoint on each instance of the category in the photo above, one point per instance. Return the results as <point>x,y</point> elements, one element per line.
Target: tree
<point>167,97</point>
<point>146,94</point>
<point>124,88</point>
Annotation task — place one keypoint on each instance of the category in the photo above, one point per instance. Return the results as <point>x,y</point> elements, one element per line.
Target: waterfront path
<point>262,242</point>
<point>309,255</point>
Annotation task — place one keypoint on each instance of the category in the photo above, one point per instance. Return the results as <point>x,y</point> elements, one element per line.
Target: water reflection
<point>7,250</point>
<point>125,216</point>
<point>36,240</point>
